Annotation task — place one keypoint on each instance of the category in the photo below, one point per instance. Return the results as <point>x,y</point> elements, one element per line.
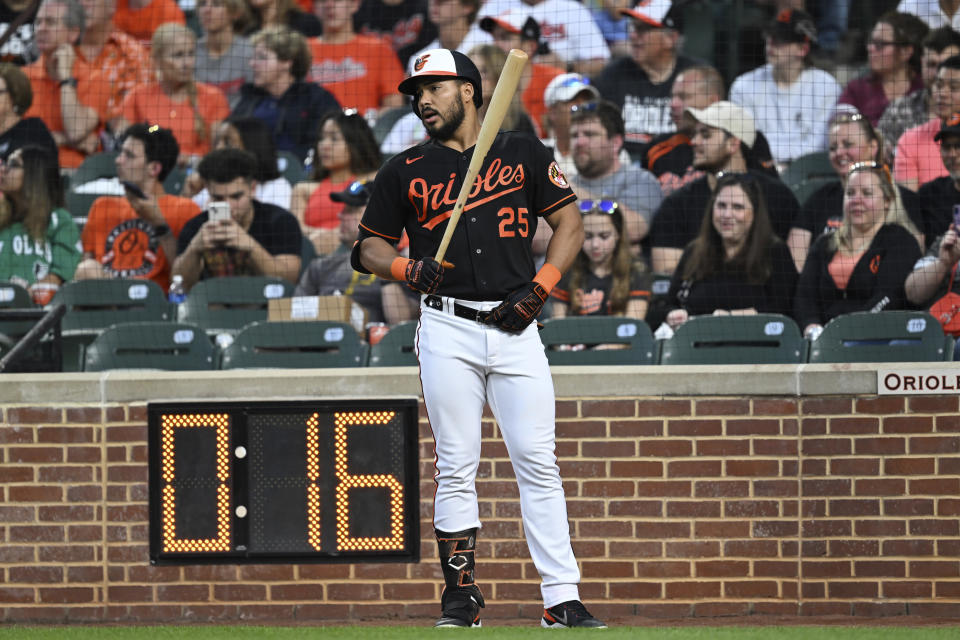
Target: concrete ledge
<point>605,381</point>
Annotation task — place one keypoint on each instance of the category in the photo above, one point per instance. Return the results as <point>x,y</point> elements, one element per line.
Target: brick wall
<point>693,505</point>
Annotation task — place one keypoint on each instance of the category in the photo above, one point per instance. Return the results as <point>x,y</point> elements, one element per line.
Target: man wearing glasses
<point>640,84</point>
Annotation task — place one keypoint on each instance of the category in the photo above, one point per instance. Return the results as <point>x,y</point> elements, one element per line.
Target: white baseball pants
<point>463,365</point>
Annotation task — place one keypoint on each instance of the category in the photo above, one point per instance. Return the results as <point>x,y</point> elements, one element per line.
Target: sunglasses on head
<point>881,169</point>
<point>598,206</point>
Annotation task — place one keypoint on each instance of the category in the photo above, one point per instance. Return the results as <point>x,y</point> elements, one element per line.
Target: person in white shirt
<point>575,40</point>
<point>932,12</point>
<point>791,103</point>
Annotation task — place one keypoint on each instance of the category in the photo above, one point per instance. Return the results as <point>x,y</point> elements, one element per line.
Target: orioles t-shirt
<point>127,246</point>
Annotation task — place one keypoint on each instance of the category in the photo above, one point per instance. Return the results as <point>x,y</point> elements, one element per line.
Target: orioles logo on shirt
<point>556,176</point>
<point>420,63</point>
<point>875,265</point>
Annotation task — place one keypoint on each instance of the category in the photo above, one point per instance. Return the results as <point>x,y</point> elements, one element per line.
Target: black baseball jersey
<point>417,189</point>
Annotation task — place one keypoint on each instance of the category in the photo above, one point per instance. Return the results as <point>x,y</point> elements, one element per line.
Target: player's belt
<point>459,310</point>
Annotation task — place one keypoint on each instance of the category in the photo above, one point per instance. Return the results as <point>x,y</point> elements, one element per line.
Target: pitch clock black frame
<point>327,481</point>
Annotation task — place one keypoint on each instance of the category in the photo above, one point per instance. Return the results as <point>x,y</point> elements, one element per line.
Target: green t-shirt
<point>23,257</point>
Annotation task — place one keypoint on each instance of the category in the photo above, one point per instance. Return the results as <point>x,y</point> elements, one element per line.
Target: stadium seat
<point>659,301</point>
<point>295,345</point>
<point>94,167</point>
<point>290,167</point>
<point>759,339</point>
<point>94,305</point>
<point>888,336</point>
<point>810,186</point>
<point>13,296</point>
<point>396,349</point>
<point>385,122</point>
<point>591,340</point>
<point>173,183</point>
<point>807,167</point>
<point>227,304</point>
<point>169,346</point>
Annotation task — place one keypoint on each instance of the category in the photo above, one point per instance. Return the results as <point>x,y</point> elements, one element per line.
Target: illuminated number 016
<point>168,424</point>
<point>346,481</point>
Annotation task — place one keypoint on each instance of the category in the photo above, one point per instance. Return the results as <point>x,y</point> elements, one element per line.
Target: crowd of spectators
<point>677,174</point>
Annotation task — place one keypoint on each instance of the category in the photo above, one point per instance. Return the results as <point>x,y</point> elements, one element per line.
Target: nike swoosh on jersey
<point>412,160</point>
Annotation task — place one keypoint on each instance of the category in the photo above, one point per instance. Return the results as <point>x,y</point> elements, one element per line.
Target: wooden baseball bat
<point>496,109</point>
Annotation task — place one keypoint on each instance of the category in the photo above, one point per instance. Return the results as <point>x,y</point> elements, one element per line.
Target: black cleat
<point>461,607</point>
<point>569,614</point>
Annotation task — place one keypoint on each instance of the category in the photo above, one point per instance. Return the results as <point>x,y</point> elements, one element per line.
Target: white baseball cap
<point>566,86</point>
<point>730,117</point>
<point>655,13</point>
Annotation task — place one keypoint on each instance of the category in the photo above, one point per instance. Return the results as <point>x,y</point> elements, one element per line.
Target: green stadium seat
<point>295,345</point>
<point>170,346</point>
<point>396,348</point>
<point>227,304</point>
<point>593,340</point>
<point>290,167</point>
<point>13,296</point>
<point>888,336</point>
<point>94,305</point>
<point>758,339</point>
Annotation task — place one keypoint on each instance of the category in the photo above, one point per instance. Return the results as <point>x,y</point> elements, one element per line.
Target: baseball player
<point>477,341</point>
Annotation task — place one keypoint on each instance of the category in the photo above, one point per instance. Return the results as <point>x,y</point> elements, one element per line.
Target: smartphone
<point>956,217</point>
<point>134,189</point>
<point>218,211</point>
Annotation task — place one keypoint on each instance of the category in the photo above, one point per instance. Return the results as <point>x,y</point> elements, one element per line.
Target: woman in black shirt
<point>736,264</point>
<point>861,266</point>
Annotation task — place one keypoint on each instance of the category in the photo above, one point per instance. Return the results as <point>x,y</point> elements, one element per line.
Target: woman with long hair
<point>852,139</point>
<point>893,54</point>
<point>604,278</point>
<point>736,265</point>
<point>862,265</point>
<point>249,134</point>
<point>345,152</point>
<point>39,241</point>
<point>176,101</point>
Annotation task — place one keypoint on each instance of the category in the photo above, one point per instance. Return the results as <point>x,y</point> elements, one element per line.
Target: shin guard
<point>456,552</point>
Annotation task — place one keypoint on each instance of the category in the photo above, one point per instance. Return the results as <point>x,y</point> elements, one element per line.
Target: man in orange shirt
<point>140,18</point>
<point>136,236</point>
<point>68,95</point>
<point>361,71</point>
<point>119,58</point>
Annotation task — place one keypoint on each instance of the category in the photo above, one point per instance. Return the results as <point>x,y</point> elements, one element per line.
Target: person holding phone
<point>245,237</point>
<point>136,236</point>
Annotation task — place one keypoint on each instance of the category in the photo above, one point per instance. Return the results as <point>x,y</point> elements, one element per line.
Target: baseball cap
<point>730,117</point>
<point>446,64</point>
<point>356,195</point>
<point>514,21</point>
<point>566,86</point>
<point>949,128</point>
<point>658,14</point>
<point>792,25</point>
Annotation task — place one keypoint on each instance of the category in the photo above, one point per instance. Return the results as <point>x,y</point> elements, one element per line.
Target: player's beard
<point>450,121</point>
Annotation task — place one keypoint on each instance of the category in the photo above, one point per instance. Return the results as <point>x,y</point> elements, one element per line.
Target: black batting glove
<point>425,275</point>
<point>521,307</point>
